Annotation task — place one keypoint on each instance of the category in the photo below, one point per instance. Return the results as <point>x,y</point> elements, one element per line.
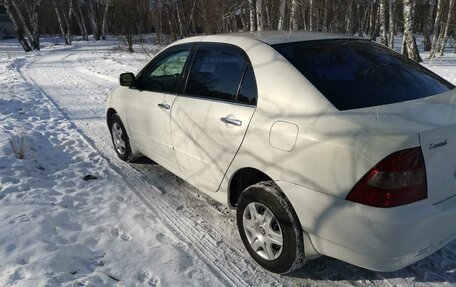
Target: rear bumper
<point>381,239</point>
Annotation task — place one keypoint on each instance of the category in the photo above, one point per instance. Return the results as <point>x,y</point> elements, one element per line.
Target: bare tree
<point>104,29</point>
<point>435,38</point>
<point>252,15</point>
<point>62,29</point>
<point>427,30</point>
<point>444,36</point>
<point>383,32</point>
<point>81,20</point>
<point>372,20</point>
<point>392,23</point>
<point>311,15</point>
<point>410,48</point>
<point>27,14</point>
<point>16,26</point>
<point>94,22</point>
<point>282,8</point>
<point>294,15</point>
<point>259,15</point>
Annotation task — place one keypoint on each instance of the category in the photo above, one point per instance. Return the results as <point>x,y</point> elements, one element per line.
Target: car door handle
<point>230,121</point>
<point>164,106</point>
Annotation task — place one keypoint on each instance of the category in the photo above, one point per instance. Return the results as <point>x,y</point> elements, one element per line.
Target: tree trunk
<point>359,9</point>
<point>436,30</point>
<point>59,18</point>
<point>104,27</point>
<point>93,21</point>
<point>18,29</point>
<point>282,8</point>
<point>304,17</point>
<point>410,41</point>
<point>294,15</point>
<point>85,35</point>
<point>35,25</point>
<point>68,20</point>
<point>259,15</point>
<point>268,15</point>
<point>311,15</point>
<point>392,24</point>
<point>78,20</point>
<point>383,32</point>
<point>179,21</point>
<point>252,15</point>
<point>428,26</point>
<point>349,18</point>
<point>23,22</point>
<point>325,17</point>
<point>372,31</point>
<point>444,38</point>
<point>404,50</point>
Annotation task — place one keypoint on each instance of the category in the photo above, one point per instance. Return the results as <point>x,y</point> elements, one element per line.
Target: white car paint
<point>317,163</point>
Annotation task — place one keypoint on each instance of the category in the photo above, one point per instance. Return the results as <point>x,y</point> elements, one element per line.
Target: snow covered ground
<point>134,225</point>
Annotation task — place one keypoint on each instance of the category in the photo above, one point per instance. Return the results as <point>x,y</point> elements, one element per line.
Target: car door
<point>150,102</point>
<point>210,118</point>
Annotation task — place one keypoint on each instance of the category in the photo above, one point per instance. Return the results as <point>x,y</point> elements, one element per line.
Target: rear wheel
<point>269,228</point>
<point>120,138</point>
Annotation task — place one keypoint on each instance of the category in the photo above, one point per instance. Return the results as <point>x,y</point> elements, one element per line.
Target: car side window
<point>165,74</point>
<point>248,91</point>
<point>216,74</point>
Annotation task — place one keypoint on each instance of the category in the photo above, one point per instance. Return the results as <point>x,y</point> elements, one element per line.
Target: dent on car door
<point>149,108</point>
<point>210,119</point>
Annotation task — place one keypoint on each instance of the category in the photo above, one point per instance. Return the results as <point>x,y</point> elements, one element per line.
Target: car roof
<point>278,37</point>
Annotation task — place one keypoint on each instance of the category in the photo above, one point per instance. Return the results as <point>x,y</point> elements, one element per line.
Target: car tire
<point>120,138</point>
<point>260,232</point>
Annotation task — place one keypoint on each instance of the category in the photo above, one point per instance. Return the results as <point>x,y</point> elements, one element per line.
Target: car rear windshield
<point>353,73</point>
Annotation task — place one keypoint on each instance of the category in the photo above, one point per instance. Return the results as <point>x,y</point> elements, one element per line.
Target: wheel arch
<point>241,179</point>
<point>109,114</point>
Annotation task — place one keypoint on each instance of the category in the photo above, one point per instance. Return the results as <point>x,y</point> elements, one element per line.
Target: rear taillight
<point>398,179</point>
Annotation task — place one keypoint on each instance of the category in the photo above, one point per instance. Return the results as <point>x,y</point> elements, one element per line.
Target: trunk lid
<point>434,120</point>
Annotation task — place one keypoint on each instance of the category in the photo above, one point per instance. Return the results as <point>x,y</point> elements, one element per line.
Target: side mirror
<point>127,79</point>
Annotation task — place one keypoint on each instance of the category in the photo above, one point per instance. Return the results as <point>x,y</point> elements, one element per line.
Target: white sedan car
<point>324,144</point>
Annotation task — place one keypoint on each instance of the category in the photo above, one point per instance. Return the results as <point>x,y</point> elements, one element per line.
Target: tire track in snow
<point>209,247</point>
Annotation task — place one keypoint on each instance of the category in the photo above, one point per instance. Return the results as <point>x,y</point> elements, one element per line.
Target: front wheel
<point>120,138</point>
<point>269,228</point>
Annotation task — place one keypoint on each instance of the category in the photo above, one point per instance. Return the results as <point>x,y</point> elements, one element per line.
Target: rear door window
<point>355,74</point>
<point>216,73</point>
<point>248,90</point>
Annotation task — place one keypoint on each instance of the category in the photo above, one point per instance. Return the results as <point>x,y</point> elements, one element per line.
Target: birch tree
<point>444,37</point>
<point>17,26</point>
<point>252,15</point>
<point>28,16</point>
<point>427,30</point>
<point>81,20</point>
<point>435,38</point>
<point>410,48</point>
<point>104,26</point>
<point>294,15</point>
<point>259,15</point>
<point>392,24</point>
<point>94,20</point>
<point>383,32</point>
<point>282,8</point>
<point>311,15</point>
<point>59,19</point>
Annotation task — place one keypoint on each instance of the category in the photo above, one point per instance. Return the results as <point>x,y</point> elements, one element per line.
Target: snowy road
<point>77,80</point>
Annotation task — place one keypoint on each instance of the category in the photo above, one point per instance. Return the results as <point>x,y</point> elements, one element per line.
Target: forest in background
<point>174,19</point>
